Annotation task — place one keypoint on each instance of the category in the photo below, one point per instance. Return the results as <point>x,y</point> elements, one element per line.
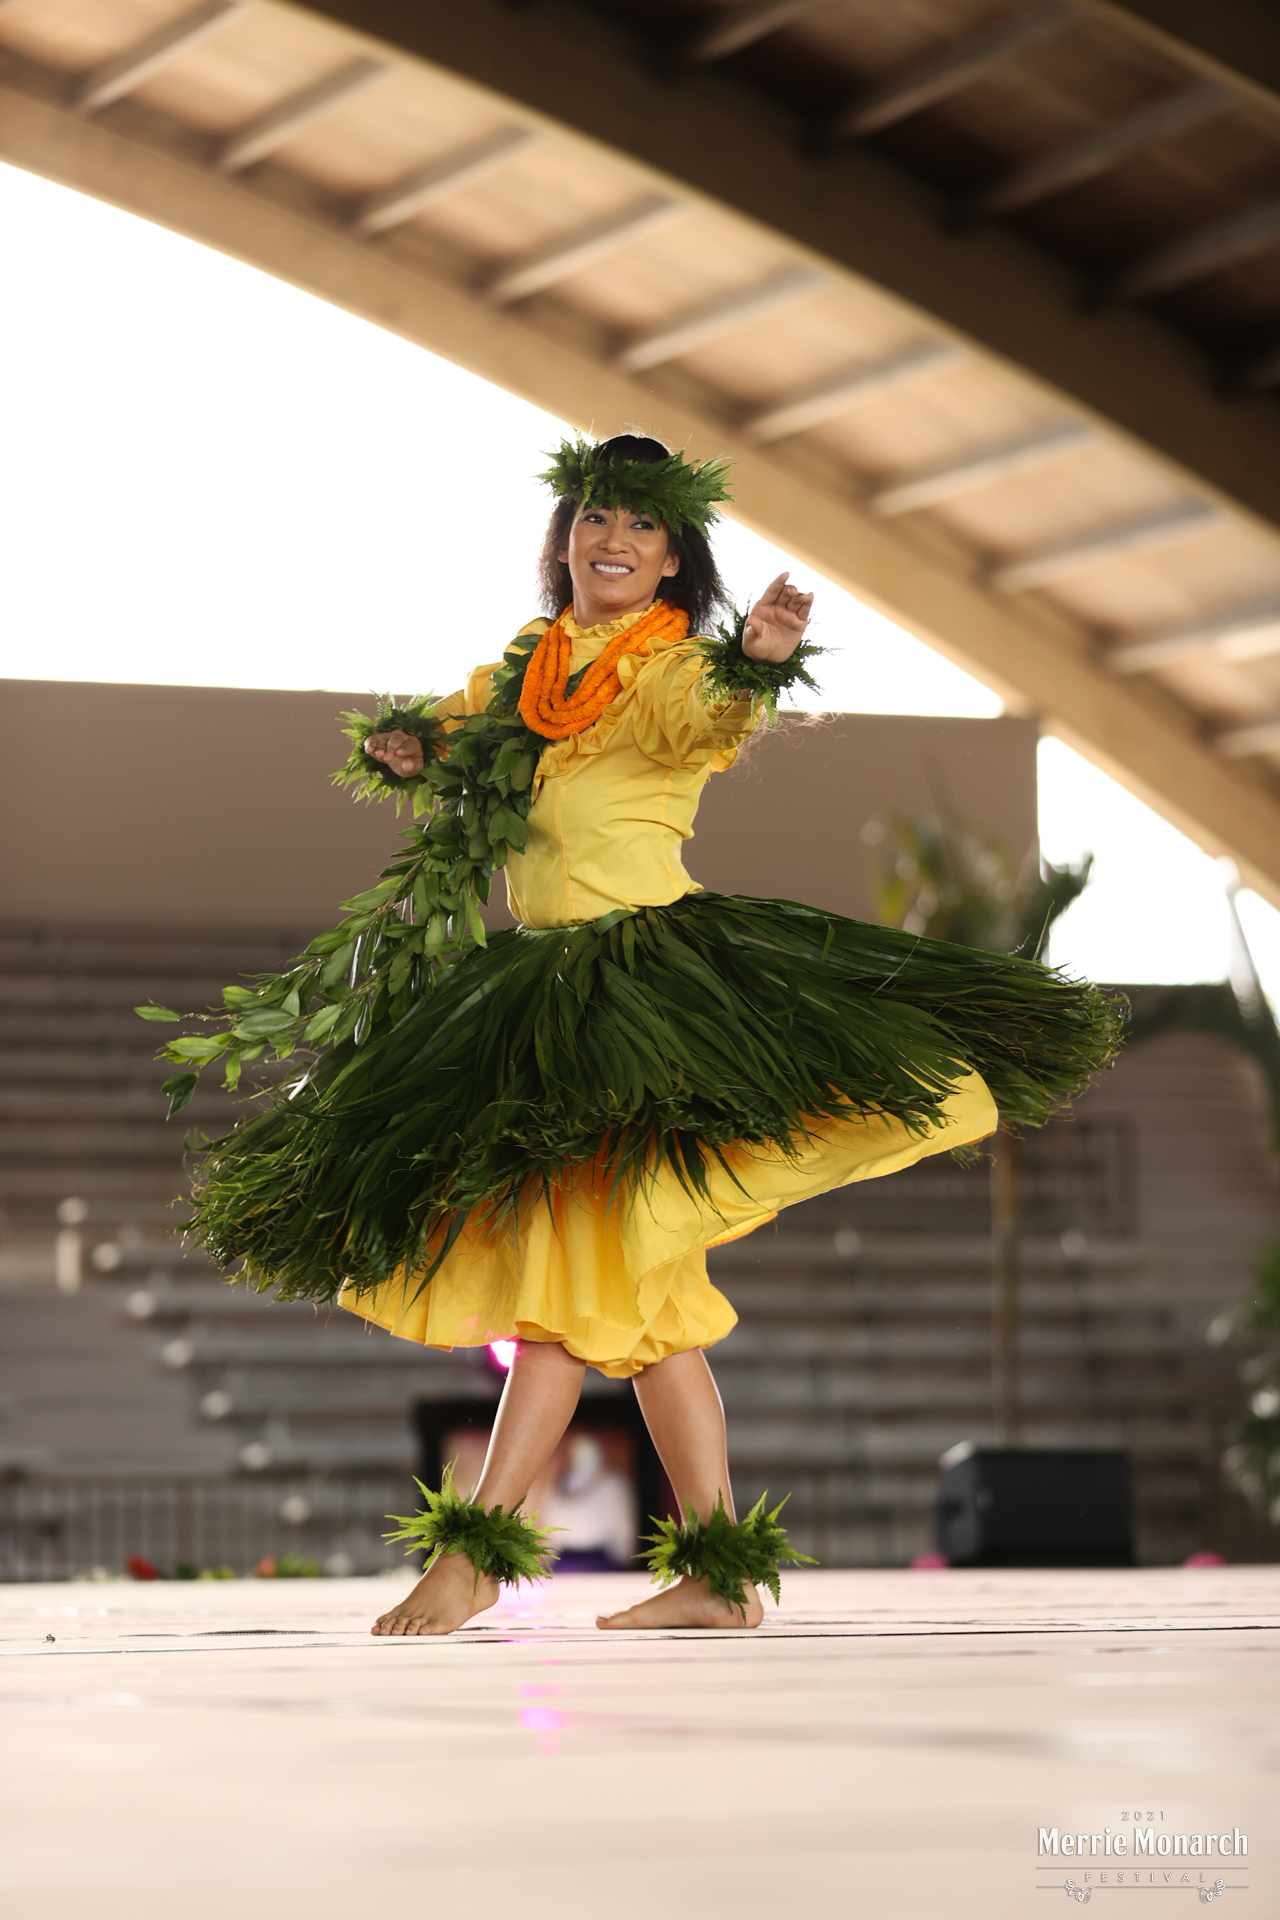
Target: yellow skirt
<point>622,1285</point>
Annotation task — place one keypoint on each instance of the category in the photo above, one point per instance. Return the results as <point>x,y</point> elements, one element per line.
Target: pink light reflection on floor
<point>545,1723</point>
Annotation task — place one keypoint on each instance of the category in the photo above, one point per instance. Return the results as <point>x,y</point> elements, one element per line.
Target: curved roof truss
<point>842,243</point>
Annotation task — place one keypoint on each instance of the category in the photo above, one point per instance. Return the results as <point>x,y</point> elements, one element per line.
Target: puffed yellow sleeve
<point>676,724</point>
<point>452,709</point>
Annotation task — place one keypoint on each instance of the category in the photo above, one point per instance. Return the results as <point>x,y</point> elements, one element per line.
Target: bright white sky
<point>212,479</point>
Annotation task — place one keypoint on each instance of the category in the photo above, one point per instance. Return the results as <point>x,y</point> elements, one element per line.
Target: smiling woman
<point>536,1136</point>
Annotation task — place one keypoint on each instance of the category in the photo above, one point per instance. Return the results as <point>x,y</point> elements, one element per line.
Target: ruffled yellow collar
<point>588,642</point>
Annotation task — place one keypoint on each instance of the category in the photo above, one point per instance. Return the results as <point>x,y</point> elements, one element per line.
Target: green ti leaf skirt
<point>658,1045</point>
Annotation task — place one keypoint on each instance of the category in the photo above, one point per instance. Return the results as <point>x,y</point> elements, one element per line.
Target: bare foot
<point>446,1597</point>
<point>689,1603</point>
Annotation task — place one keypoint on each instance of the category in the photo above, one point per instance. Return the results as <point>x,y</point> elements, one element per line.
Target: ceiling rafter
<point>740,27</point>
<point>594,240</point>
<point>435,180</point>
<point>298,111</point>
<point>841,393</point>
<point>1091,154</point>
<point>1204,251</point>
<point>116,77</point>
<point>1241,633</point>
<point>1254,373</point>
<point>922,83</point>
<point>1118,539</point>
<point>983,466</point>
<point>1239,743</point>
<point>712,319</point>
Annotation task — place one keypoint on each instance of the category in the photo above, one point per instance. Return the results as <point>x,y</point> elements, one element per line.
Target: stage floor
<point>889,1743</point>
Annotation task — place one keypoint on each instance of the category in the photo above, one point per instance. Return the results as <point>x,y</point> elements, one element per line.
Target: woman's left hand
<point>775,626</point>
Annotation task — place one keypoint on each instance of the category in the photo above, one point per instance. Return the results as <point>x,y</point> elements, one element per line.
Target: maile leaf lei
<point>424,913</point>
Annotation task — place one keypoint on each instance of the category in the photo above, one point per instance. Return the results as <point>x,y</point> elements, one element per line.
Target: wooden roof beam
<point>391,206</point>
<point>1097,151</point>
<point>1236,42</point>
<point>1244,633</point>
<point>984,467</point>
<point>1128,727</point>
<point>582,248</point>
<point>740,27</point>
<point>1260,736</point>
<point>292,116</point>
<point>1146,533</point>
<point>1254,373</point>
<point>1207,250</point>
<point>697,326</point>
<point>859,215</point>
<point>921,83</point>
<point>828,399</point>
<point>116,77</point>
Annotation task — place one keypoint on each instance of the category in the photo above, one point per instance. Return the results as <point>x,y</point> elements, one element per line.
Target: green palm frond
<point>947,880</point>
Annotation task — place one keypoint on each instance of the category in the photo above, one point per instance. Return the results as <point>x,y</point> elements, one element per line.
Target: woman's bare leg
<point>537,1405</point>
<point>684,1414</point>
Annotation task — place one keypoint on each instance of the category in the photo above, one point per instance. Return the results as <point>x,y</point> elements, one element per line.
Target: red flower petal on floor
<point>141,1569</point>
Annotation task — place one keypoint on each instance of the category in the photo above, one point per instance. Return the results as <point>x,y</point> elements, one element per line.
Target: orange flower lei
<point>544,706</point>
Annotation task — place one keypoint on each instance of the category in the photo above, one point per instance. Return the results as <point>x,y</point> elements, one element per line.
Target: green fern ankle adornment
<point>504,1545</point>
<point>726,1555</point>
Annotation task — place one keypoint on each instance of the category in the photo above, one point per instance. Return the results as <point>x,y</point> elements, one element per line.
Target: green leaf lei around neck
<point>424,913</point>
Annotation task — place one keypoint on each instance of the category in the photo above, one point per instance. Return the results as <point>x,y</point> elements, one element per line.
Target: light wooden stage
<point>890,1743</point>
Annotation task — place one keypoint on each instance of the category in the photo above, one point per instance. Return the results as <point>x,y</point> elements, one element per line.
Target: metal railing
<point>55,1528</point>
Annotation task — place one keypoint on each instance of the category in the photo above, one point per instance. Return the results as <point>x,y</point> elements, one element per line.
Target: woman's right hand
<point>402,752</point>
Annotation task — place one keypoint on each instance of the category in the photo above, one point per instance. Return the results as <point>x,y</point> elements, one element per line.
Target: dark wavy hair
<point>697,587</point>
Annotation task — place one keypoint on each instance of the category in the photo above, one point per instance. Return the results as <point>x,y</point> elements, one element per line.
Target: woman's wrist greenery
<point>731,673</point>
<point>366,774</point>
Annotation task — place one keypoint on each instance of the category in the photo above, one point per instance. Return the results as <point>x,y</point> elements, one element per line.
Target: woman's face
<point>616,560</point>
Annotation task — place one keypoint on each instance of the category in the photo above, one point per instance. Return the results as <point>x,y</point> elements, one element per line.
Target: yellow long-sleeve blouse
<point>614,805</point>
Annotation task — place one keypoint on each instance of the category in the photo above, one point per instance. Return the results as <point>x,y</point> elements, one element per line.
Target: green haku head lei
<point>675,492</point>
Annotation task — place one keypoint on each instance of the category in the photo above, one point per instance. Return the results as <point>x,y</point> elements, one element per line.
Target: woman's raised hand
<point>775,626</point>
<point>399,751</point>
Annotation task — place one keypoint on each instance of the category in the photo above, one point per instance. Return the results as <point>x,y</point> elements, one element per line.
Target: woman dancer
<point>535,1137</point>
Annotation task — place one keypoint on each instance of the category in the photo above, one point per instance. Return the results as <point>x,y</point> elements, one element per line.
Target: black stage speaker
<point>1034,1507</point>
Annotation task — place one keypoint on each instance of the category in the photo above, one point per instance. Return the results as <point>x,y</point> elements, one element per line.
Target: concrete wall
<point>199,806</point>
